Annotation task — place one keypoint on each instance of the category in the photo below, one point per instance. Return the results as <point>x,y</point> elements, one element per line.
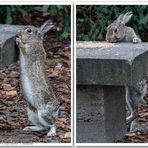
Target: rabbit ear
<point>127,16</point>
<point>120,17</point>
<point>46,26</point>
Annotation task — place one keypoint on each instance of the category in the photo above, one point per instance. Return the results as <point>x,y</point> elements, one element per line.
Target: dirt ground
<point>140,136</point>
<point>13,115</point>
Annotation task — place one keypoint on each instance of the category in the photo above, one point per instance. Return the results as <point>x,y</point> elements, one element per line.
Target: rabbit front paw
<point>136,40</point>
<point>19,43</point>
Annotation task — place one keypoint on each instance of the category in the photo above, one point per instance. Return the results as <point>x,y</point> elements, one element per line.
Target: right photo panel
<point>111,74</point>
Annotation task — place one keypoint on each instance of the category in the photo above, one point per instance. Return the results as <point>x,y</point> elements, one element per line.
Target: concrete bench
<point>103,70</point>
<point>8,49</point>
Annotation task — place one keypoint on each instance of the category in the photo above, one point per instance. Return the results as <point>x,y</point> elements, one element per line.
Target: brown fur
<point>43,106</point>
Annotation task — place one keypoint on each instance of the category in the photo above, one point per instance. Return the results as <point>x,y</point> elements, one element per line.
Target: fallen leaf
<point>143,114</point>
<point>67,135</point>
<point>7,87</point>
<point>66,100</point>
<point>2,76</point>
<point>11,93</point>
<point>54,74</point>
<point>14,74</point>
<point>130,134</point>
<point>2,120</point>
<point>2,92</point>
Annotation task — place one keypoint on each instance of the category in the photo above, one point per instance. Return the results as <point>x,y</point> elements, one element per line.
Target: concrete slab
<point>111,64</point>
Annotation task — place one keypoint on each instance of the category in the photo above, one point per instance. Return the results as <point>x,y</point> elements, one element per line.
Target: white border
<point>111,2</point>
<point>75,98</point>
<point>107,2</point>
<point>75,1</point>
<point>73,4</point>
<point>27,2</point>
<point>35,2</point>
<point>72,75</point>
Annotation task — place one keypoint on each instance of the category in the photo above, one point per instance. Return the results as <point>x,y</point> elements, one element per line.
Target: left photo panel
<point>35,74</point>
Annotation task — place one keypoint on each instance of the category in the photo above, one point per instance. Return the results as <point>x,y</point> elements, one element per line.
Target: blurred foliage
<point>55,12</point>
<point>11,14</point>
<point>92,20</point>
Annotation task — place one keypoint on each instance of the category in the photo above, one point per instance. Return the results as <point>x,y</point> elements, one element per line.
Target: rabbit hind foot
<point>52,131</point>
<point>34,128</point>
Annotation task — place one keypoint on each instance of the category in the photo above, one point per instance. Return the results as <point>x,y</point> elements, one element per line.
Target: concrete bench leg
<point>100,113</point>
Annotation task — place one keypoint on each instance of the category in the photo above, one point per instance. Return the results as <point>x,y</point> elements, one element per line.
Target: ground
<point>13,114</point>
<point>140,136</point>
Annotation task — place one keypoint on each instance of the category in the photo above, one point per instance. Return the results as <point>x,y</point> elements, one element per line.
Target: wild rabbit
<point>43,106</point>
<point>118,32</point>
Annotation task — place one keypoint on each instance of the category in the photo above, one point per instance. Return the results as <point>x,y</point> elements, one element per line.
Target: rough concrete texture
<point>100,114</point>
<point>111,63</point>
<point>8,49</point>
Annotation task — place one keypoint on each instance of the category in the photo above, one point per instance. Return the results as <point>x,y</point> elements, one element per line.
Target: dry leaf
<point>130,134</point>
<point>14,74</point>
<point>67,135</point>
<point>11,93</point>
<point>7,87</point>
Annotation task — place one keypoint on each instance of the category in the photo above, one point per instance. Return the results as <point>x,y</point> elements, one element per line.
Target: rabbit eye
<point>116,30</point>
<point>29,30</point>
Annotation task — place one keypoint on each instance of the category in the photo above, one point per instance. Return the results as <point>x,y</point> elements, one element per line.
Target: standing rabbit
<point>118,32</point>
<point>43,106</point>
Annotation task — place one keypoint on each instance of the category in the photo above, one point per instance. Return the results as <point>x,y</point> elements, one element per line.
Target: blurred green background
<point>92,20</point>
<point>36,15</point>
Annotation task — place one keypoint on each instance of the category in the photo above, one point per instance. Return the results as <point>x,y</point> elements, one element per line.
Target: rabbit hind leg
<point>143,101</point>
<point>143,98</point>
<point>133,113</point>
<point>33,117</point>
<point>48,123</point>
<point>135,126</point>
